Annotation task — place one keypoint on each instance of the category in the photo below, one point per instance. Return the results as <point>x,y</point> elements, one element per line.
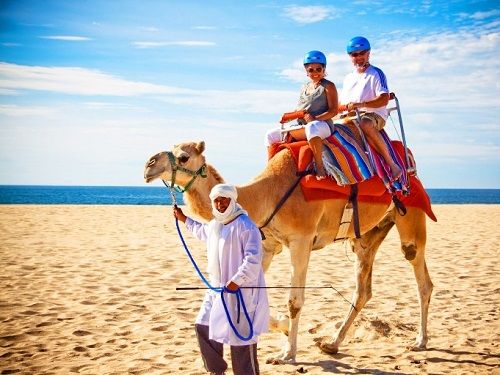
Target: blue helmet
<point>358,43</point>
<point>315,57</point>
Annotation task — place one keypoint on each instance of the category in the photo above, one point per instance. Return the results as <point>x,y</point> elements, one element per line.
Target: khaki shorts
<point>377,120</point>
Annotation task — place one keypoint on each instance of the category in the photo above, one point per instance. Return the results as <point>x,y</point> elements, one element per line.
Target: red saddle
<point>372,190</point>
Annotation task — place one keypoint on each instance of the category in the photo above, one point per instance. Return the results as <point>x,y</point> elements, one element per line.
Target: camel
<point>301,227</point>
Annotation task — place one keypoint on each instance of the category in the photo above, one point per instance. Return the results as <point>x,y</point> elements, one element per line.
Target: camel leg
<point>412,231</point>
<point>271,247</point>
<point>300,251</point>
<point>365,249</point>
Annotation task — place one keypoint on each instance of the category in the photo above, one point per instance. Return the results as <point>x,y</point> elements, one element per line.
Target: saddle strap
<point>283,199</point>
<point>345,222</point>
<point>350,214</point>
<point>353,198</point>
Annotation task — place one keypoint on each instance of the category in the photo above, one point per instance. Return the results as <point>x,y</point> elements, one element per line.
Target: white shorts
<point>316,128</point>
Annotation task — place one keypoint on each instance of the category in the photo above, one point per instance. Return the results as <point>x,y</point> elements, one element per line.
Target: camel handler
<point>234,253</point>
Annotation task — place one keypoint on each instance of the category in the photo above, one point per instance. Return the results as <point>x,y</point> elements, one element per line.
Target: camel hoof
<point>326,345</point>
<point>281,361</point>
<point>417,346</point>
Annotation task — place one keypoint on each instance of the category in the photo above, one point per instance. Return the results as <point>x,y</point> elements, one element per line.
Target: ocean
<point>151,195</point>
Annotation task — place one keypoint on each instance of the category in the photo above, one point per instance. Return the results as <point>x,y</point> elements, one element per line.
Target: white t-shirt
<point>363,87</point>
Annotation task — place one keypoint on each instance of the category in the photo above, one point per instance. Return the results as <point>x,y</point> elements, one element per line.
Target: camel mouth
<point>148,179</point>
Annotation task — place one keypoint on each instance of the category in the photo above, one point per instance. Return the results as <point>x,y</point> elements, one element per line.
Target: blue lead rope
<point>239,296</point>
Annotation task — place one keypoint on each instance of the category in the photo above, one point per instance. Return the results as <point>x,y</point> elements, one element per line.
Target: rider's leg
<point>316,131</point>
<point>373,136</point>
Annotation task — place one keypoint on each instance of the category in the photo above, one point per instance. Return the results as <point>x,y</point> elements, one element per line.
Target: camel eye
<point>183,159</point>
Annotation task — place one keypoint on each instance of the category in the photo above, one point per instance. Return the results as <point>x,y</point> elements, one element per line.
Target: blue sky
<point>89,90</point>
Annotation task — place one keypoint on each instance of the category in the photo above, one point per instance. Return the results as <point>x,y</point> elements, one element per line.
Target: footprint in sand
<point>124,333</point>
<point>381,327</point>
<point>36,332</point>
<point>78,368</point>
<point>160,328</point>
<point>315,328</point>
<point>81,333</point>
<point>45,324</point>
<point>38,304</point>
<point>87,302</point>
<point>29,312</point>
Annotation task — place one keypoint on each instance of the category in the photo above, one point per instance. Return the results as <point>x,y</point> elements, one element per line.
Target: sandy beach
<point>91,290</point>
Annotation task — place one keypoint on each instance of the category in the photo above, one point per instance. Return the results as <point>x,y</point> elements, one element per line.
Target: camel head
<point>183,159</point>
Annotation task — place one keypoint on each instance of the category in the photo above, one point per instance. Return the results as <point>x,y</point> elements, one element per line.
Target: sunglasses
<point>312,70</point>
<point>356,54</point>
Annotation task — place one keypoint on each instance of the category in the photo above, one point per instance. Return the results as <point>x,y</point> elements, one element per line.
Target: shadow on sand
<point>335,366</point>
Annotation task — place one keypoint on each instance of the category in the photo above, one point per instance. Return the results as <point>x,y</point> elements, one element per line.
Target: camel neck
<point>259,198</point>
<point>197,198</point>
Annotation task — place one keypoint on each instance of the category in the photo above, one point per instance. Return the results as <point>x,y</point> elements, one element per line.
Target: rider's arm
<point>379,101</point>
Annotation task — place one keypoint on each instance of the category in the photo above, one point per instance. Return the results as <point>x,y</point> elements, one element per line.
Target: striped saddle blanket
<point>348,163</point>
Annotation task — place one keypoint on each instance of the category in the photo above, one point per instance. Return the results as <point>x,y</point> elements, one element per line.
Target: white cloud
<point>295,74</point>
<point>460,151</point>
<point>444,70</point>
<point>80,81</point>
<point>67,38</point>
<point>185,43</point>
<point>74,80</point>
<point>244,101</point>
<point>308,14</point>
<point>8,92</point>
<point>23,111</point>
<point>478,16</point>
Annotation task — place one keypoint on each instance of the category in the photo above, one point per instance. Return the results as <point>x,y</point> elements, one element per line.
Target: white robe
<point>240,256</point>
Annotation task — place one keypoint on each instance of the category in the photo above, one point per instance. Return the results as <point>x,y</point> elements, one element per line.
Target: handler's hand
<point>179,215</point>
<point>233,287</point>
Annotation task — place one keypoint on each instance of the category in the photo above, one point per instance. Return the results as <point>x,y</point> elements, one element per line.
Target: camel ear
<point>200,146</point>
